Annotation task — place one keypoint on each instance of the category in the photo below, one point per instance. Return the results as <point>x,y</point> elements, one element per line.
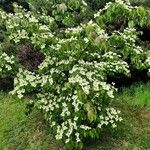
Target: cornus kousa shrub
<point>70,84</point>
<point>77,108</point>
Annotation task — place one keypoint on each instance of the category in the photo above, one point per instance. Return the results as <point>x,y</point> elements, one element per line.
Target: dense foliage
<point>7,5</point>
<point>65,61</point>
<point>145,3</point>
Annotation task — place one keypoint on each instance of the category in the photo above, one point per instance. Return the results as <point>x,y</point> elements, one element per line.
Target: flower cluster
<point>24,26</point>
<point>24,82</point>
<point>7,65</point>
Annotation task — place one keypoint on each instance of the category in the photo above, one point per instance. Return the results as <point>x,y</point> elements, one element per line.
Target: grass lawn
<point>21,132</point>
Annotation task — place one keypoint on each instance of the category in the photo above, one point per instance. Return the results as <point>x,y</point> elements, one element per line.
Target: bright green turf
<point>136,95</point>
<point>11,113</point>
<point>21,132</point>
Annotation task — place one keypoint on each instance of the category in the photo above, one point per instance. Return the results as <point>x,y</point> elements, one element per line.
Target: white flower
<point>114,125</point>
<point>77,137</point>
<point>67,141</point>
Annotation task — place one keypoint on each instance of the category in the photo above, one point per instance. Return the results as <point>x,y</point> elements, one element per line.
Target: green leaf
<point>131,24</point>
<point>82,96</point>
<point>91,112</point>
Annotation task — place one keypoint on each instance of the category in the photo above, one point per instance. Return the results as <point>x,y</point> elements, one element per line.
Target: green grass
<point>136,95</point>
<point>21,132</point>
<point>11,113</point>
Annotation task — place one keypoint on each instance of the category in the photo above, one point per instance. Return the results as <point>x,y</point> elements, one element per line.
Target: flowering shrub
<point>77,108</point>
<point>70,85</point>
